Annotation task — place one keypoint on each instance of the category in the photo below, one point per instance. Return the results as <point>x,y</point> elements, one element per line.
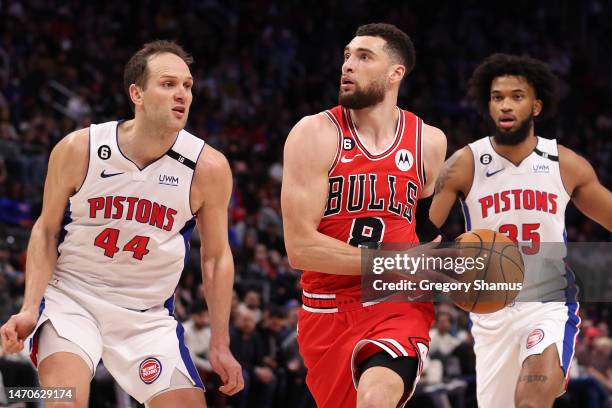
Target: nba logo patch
<point>534,337</point>
<point>150,370</point>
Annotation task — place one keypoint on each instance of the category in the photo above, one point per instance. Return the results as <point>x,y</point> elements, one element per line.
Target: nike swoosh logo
<point>105,175</point>
<point>494,173</point>
<point>345,159</point>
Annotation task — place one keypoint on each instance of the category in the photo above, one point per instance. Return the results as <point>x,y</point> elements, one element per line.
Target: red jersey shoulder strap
<point>417,125</point>
<point>333,115</point>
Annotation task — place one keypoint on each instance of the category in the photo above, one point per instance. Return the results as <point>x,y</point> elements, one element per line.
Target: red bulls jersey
<point>372,198</point>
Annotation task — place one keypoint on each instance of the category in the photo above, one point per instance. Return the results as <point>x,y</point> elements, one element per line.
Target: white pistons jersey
<point>527,203</point>
<point>126,232</point>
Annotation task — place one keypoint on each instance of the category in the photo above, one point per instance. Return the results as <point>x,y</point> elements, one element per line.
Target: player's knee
<point>532,401</point>
<point>381,394</point>
<point>375,398</point>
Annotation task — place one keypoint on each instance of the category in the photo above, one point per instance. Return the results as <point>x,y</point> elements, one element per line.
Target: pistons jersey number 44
<point>126,230</point>
<point>372,198</point>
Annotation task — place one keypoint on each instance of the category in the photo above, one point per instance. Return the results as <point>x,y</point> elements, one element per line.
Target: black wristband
<point>425,229</point>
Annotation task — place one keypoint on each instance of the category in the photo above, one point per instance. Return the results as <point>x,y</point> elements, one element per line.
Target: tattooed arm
<point>455,180</point>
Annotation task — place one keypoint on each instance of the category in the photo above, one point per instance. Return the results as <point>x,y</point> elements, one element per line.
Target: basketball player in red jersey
<point>518,183</point>
<point>353,176</point>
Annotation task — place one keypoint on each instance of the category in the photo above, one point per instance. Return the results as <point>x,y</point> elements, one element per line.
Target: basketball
<point>497,279</point>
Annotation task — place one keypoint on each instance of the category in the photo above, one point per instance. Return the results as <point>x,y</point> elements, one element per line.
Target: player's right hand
<point>16,330</point>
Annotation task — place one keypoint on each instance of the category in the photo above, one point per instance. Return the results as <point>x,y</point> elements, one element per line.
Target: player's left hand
<point>228,369</point>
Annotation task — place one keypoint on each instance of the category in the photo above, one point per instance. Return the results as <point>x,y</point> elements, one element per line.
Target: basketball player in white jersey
<point>100,284</point>
<point>519,184</point>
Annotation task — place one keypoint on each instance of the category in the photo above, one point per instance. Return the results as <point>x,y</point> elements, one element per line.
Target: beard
<point>511,137</point>
<point>363,98</point>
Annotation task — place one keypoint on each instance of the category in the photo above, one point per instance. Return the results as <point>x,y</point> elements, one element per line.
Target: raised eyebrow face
<point>176,78</point>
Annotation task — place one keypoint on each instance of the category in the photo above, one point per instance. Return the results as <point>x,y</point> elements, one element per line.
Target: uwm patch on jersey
<point>372,198</point>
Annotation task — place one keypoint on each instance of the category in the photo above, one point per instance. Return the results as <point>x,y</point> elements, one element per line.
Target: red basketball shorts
<point>334,340</point>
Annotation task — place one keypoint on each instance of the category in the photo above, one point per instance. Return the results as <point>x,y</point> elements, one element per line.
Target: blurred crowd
<point>260,66</point>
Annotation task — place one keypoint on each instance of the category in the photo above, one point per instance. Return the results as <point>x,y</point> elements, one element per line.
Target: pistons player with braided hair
<point>360,174</point>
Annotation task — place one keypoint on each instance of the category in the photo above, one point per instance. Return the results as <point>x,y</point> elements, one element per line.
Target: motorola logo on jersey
<point>358,185</point>
<point>404,160</point>
<point>132,208</point>
<point>518,199</point>
<point>168,180</point>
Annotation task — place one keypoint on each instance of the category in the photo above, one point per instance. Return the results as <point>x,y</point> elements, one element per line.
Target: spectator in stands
<point>594,383</point>
<point>443,342</point>
<point>248,348</point>
<point>197,337</point>
<point>252,301</point>
<point>253,90</point>
<point>272,330</point>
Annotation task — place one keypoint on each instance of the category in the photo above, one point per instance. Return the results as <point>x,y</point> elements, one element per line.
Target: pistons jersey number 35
<point>372,198</point>
<point>126,230</point>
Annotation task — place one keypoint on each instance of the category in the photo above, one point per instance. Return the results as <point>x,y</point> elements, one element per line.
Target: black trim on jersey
<point>546,155</point>
<point>395,210</point>
<point>373,205</point>
<point>409,207</point>
<point>352,182</point>
<point>180,158</point>
<point>331,194</point>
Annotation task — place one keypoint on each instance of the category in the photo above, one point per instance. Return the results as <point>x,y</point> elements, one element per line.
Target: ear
<point>135,94</point>
<point>397,73</point>
<point>537,107</point>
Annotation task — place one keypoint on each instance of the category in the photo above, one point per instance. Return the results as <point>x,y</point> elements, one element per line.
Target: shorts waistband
<point>332,302</point>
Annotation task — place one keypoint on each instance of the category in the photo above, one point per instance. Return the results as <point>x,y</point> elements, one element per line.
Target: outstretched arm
<point>587,193</point>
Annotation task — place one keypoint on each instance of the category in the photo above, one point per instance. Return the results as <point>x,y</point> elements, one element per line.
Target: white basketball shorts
<point>504,339</point>
<point>141,349</point>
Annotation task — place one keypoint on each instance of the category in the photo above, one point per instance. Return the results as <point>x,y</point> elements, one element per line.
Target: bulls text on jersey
<point>357,186</point>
